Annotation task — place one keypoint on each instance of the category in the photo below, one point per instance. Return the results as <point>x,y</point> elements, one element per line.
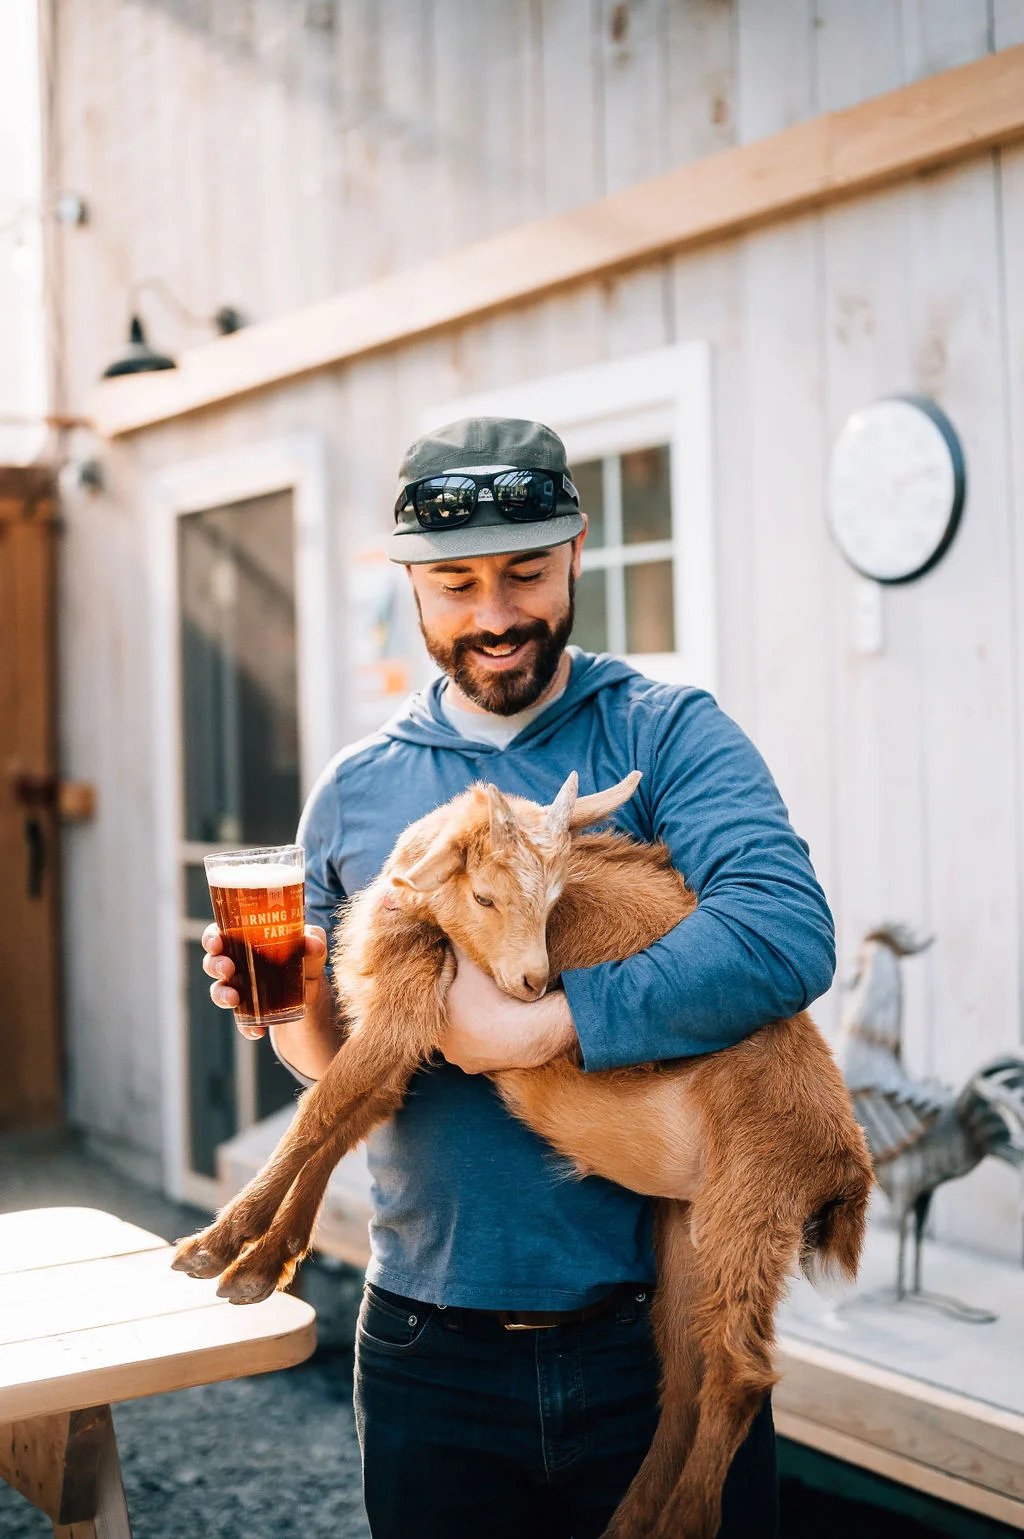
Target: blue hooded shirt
<point>470,1206</point>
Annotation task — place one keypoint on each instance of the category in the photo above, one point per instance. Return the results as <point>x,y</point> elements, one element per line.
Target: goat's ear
<point>561,808</point>
<point>592,809</point>
<point>504,828</point>
<point>444,857</point>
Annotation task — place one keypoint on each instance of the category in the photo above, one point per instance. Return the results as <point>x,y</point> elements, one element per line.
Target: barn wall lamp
<point>139,357</point>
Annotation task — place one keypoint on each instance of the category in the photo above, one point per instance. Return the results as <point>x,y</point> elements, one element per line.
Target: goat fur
<point>752,1154</point>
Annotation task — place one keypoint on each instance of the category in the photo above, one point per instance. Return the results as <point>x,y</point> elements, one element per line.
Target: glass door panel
<point>239,673</point>
<point>240,772</point>
<point>212,1085</point>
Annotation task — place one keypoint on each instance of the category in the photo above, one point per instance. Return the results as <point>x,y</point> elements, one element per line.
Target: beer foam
<point>255,875</point>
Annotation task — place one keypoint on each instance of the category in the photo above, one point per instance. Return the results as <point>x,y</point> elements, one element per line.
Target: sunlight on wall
<point>22,360</point>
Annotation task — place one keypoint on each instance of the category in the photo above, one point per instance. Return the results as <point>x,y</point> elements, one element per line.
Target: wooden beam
<point>932,123</point>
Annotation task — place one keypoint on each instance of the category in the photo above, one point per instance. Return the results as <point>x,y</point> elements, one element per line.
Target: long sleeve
<point>761,944</point>
<point>319,832</point>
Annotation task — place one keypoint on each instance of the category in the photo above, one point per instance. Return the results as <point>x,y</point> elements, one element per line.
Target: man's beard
<point>505,693</point>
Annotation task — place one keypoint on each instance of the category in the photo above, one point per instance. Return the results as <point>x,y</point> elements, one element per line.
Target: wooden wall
<point>270,153</point>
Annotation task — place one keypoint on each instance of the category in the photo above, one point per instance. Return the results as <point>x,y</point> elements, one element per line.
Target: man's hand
<point>221,969</point>
<point>489,1030</point>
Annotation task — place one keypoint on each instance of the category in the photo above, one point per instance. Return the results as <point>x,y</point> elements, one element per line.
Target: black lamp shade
<point>138,357</point>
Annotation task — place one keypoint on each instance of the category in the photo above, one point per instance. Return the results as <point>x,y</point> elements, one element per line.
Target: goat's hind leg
<point>745,1252</point>
<point>675,1306</point>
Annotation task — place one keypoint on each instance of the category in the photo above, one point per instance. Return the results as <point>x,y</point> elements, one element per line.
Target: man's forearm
<point>307,1046</point>
<point>703,987</point>
<point>557,1029</point>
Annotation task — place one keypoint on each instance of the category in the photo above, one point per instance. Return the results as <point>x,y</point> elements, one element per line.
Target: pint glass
<point>257,898</point>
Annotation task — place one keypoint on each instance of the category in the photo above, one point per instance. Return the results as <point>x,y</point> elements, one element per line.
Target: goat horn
<point>601,804</point>
<point>560,810</point>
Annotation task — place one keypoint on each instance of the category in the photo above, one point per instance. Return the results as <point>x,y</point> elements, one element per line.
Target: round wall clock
<point>896,488</point>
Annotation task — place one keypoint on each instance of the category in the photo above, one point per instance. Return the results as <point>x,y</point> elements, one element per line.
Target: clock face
<point>896,488</point>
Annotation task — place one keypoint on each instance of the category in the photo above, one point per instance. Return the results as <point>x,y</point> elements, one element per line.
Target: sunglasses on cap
<point>522,496</point>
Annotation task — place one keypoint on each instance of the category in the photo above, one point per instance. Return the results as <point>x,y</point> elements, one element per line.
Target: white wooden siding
<point>250,158</point>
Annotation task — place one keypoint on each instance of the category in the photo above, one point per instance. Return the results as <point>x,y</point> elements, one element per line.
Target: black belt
<point>488,1320</point>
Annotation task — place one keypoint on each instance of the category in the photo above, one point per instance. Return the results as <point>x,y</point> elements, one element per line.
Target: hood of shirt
<point>422,721</point>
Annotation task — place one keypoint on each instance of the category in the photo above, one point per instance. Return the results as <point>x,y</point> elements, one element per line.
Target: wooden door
<point>30,1045</point>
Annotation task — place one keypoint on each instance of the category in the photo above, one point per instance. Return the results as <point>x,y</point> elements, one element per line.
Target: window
<point>625,599</point>
<point>637,436</point>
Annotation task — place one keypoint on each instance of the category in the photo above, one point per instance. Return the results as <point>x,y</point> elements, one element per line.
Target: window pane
<point>275,1087</point>
<point>211,1067</point>
<point>646,503</point>
<point>650,618</point>
<point>590,628</point>
<point>197,893</point>
<point>589,482</point>
<point>238,666</point>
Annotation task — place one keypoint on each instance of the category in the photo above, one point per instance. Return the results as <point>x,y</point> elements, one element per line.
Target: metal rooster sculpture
<point>921,1133</point>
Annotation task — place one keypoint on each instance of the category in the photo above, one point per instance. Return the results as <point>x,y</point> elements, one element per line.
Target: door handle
<point>35,842</point>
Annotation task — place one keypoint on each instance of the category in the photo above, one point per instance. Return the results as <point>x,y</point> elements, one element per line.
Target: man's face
<point>497,625</point>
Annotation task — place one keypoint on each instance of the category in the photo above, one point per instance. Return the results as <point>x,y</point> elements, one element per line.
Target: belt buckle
<point>519,1325</point>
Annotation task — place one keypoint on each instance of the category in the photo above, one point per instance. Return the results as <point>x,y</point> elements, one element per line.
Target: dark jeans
<point>482,1433</point>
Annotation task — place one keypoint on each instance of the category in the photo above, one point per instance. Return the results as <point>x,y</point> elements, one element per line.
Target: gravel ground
<point>272,1457</point>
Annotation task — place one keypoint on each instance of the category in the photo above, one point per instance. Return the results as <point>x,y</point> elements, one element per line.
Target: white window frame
<point>295,463</point>
<point>662,396</point>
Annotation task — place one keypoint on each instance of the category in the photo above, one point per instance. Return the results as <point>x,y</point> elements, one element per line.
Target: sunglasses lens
<point>525,495</point>
<point>445,501</point>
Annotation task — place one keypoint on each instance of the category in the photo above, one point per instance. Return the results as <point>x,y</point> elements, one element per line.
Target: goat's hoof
<point>200,1256</point>
<point>245,1290</point>
<point>253,1278</point>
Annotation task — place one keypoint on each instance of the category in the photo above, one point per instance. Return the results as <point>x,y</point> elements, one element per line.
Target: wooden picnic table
<point>91,1314</point>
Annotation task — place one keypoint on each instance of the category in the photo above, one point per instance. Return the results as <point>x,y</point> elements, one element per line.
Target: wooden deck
<point>901,1390</point>
<point>907,1392</point>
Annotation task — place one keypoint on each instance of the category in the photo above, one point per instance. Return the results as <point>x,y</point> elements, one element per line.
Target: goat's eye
<point>483,902</point>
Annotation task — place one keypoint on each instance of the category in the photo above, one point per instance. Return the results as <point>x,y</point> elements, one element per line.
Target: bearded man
<point>506,1378</point>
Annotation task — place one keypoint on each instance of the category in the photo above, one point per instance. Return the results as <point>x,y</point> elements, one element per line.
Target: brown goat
<point>753,1153</point>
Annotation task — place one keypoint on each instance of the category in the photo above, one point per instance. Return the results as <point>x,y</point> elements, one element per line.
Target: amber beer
<point>257,898</point>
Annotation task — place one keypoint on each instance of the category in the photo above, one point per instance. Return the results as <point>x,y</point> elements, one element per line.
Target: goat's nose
<point>535,983</point>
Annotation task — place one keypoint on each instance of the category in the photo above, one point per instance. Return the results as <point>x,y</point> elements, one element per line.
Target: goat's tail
<point>833,1235</point>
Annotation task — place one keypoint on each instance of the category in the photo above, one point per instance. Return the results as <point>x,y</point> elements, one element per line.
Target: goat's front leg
<point>270,1261</point>
<point>398,1030</point>
<point>328,1112</point>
